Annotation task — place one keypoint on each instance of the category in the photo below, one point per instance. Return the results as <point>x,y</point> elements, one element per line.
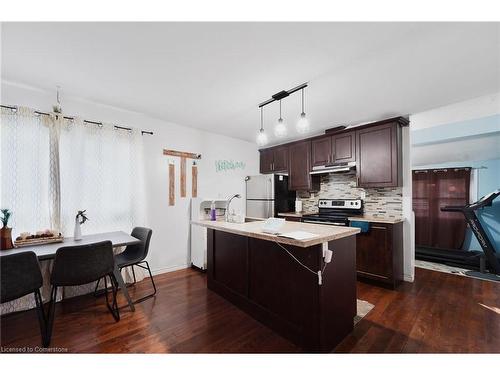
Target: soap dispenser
<point>213,216</point>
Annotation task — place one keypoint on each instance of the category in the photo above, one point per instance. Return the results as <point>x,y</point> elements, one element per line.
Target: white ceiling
<point>213,75</point>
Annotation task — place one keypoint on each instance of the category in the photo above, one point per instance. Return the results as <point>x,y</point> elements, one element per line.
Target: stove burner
<point>335,211</point>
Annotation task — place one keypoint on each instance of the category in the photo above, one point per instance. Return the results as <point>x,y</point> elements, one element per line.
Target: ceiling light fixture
<point>56,108</point>
<point>280,129</point>
<point>261,136</point>
<point>303,123</point>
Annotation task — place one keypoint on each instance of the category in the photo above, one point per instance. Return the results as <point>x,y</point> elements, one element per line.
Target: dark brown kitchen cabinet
<point>273,160</point>
<point>321,151</point>
<point>339,148</point>
<point>266,161</point>
<point>280,159</point>
<point>299,155</point>
<point>379,253</point>
<point>293,218</point>
<point>376,148</point>
<point>379,157</point>
<point>344,147</point>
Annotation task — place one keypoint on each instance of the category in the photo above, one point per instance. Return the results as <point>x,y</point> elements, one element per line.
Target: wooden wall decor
<point>183,177</point>
<point>171,184</point>
<point>194,174</point>
<point>194,180</point>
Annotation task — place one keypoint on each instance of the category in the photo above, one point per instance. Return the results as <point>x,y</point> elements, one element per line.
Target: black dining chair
<point>79,265</point>
<point>135,255</point>
<point>20,275</point>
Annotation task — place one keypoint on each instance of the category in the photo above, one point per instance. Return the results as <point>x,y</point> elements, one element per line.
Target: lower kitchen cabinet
<point>379,254</point>
<point>293,218</point>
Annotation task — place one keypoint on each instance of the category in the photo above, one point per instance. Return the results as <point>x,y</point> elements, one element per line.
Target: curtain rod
<point>14,108</point>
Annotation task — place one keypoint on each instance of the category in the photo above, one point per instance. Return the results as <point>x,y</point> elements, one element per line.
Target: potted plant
<point>5,232</point>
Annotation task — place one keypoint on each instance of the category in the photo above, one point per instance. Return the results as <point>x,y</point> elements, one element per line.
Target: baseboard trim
<point>159,271</point>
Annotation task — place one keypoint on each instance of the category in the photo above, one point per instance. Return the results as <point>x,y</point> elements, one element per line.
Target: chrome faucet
<point>227,206</point>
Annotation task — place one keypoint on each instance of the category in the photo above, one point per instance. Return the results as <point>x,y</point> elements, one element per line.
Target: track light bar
<point>282,94</point>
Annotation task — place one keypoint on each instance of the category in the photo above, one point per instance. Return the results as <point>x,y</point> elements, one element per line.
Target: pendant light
<point>280,129</point>
<point>261,136</point>
<point>303,123</point>
<point>56,108</point>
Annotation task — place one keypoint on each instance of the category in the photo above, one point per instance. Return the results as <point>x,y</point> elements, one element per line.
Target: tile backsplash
<point>380,202</point>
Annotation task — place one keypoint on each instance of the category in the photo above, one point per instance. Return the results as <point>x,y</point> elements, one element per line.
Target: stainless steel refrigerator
<point>267,195</point>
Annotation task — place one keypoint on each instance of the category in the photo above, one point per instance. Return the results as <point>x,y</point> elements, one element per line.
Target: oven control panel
<point>349,204</point>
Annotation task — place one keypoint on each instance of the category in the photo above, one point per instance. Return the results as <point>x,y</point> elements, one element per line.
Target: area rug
<point>363,308</point>
<point>455,270</point>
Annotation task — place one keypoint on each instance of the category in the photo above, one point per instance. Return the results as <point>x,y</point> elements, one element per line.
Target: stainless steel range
<point>335,211</point>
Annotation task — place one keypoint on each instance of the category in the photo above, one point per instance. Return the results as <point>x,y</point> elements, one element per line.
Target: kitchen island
<point>260,273</point>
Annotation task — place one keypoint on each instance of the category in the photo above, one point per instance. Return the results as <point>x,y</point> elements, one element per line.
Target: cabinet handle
<point>377,227</point>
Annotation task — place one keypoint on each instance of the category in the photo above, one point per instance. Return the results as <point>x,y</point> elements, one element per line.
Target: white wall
<point>482,106</point>
<point>170,242</point>
<point>409,223</point>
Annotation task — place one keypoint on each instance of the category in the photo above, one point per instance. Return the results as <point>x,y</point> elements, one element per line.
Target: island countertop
<point>325,233</point>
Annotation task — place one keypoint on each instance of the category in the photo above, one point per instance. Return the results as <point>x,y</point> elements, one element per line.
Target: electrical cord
<point>303,265</point>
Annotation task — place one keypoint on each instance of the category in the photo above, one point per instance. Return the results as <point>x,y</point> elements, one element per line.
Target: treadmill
<point>487,260</point>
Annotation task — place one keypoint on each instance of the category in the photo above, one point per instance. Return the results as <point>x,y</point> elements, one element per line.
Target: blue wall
<point>489,180</point>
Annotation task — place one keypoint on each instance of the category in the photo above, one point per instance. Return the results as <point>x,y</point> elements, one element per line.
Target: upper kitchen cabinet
<point>280,161</point>
<point>321,151</point>
<point>344,147</point>
<point>379,156</point>
<point>266,160</point>
<point>339,148</point>
<point>300,166</point>
<point>376,148</point>
<point>274,160</point>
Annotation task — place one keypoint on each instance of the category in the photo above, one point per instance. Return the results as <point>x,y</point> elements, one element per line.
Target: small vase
<point>6,238</point>
<point>77,236</point>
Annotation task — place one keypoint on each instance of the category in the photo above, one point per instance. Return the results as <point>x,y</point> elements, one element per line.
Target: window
<point>97,168</point>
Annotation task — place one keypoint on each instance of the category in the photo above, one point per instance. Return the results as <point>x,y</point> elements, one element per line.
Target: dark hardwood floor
<point>437,313</point>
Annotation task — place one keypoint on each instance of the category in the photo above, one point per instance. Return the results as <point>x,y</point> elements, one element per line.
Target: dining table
<point>48,251</point>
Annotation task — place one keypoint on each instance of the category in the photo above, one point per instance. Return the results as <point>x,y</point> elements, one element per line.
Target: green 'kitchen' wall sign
<point>228,165</point>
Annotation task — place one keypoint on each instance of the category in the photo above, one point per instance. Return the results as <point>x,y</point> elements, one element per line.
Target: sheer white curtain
<point>100,171</point>
<point>24,169</point>
<point>52,167</point>
<point>25,181</point>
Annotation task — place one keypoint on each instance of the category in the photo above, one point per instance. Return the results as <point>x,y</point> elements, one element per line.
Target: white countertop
<point>370,218</point>
<point>253,229</point>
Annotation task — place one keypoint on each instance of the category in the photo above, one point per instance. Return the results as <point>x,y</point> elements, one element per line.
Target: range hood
<point>334,168</point>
